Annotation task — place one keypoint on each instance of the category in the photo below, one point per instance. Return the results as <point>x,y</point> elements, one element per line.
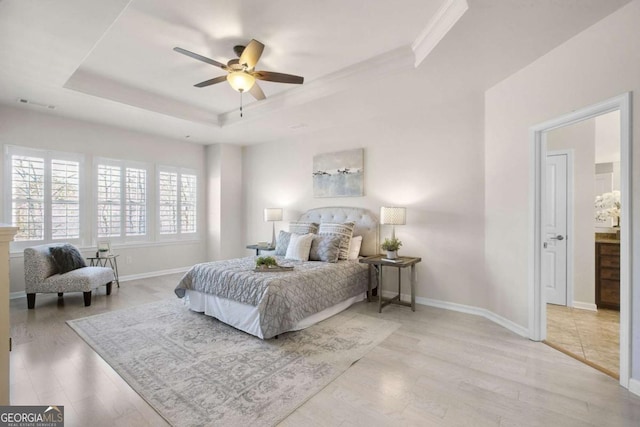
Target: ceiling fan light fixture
<point>241,80</point>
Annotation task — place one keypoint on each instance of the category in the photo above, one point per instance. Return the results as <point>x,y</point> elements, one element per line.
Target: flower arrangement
<point>608,206</point>
<point>391,244</point>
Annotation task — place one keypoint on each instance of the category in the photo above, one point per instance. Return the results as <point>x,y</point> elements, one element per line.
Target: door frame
<point>537,305</point>
<point>570,200</point>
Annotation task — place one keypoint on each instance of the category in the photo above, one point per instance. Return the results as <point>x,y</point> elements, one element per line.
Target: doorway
<point>581,266</point>
<point>538,300</point>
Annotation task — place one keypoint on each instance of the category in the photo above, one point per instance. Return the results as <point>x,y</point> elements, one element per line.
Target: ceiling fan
<point>241,73</point>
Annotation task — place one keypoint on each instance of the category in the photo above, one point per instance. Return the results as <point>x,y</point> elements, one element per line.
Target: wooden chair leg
<point>60,294</point>
<point>109,288</point>
<point>31,301</point>
<point>87,298</point>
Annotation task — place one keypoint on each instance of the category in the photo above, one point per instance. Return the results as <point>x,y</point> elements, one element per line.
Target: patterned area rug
<point>195,370</point>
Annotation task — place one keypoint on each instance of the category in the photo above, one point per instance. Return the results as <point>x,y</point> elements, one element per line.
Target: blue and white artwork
<point>338,174</point>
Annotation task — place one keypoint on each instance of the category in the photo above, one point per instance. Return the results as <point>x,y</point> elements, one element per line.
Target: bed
<point>266,304</point>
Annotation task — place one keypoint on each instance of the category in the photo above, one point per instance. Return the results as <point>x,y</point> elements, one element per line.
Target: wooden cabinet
<point>608,274</point>
<point>6,235</point>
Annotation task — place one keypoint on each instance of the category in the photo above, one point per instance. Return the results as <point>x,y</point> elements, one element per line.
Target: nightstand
<point>380,261</point>
<point>259,248</point>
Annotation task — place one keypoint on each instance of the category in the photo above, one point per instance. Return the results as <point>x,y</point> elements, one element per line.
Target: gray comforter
<point>282,298</point>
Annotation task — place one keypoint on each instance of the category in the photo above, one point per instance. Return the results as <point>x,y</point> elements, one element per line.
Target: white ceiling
<point>112,61</point>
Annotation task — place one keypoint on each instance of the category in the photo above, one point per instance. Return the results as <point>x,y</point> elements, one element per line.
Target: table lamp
<point>273,215</point>
<point>393,216</point>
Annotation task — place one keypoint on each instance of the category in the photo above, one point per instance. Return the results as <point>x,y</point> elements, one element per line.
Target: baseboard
<point>468,309</point>
<point>128,278</point>
<point>585,306</point>
<point>634,386</point>
<point>153,274</point>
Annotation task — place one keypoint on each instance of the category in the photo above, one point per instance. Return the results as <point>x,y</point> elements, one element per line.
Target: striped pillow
<point>342,230</point>
<point>303,227</point>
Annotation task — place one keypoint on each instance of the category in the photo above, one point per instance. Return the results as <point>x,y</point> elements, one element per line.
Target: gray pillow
<point>282,243</point>
<point>325,248</point>
<point>66,258</point>
<point>342,230</point>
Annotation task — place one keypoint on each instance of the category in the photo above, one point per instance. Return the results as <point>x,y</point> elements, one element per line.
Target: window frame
<point>123,165</point>
<point>48,157</point>
<point>179,234</point>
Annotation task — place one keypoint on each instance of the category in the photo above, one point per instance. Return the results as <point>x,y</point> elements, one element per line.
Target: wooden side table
<point>259,248</point>
<point>379,261</point>
<point>103,261</point>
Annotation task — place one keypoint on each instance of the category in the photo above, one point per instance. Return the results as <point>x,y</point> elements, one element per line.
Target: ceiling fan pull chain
<point>241,103</point>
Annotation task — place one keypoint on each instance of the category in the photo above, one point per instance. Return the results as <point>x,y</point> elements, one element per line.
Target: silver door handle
<point>558,237</point>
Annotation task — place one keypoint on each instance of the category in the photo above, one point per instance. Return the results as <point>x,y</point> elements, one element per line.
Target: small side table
<point>103,261</point>
<point>259,248</point>
<point>379,261</point>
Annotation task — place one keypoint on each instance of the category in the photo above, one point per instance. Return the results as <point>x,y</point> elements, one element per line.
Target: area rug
<point>195,370</point>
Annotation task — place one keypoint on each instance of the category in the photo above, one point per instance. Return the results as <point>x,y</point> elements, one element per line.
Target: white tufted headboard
<point>366,224</point>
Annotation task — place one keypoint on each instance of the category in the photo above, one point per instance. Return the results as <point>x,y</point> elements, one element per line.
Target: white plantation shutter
<point>45,194</point>
<point>65,199</point>
<point>122,199</point>
<point>188,203</point>
<point>27,197</point>
<point>177,202</point>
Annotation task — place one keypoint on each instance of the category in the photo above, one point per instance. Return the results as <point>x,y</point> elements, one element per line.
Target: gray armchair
<point>41,276</point>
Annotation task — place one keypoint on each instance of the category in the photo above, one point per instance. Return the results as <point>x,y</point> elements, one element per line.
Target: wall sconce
<point>272,215</point>
<point>393,216</point>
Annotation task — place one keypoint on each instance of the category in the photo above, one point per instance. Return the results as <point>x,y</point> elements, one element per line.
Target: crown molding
<point>394,61</point>
<point>441,23</point>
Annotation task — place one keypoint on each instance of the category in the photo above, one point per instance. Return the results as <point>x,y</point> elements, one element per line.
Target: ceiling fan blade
<point>200,57</point>
<point>256,92</point>
<point>251,54</point>
<point>211,81</point>
<point>270,76</point>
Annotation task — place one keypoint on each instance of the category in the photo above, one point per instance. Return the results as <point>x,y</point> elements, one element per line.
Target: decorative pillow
<point>342,230</point>
<point>299,247</point>
<point>325,248</point>
<point>67,258</point>
<point>282,243</point>
<point>354,249</point>
<point>303,227</point>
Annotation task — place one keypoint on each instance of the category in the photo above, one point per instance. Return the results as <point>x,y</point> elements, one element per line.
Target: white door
<point>554,266</point>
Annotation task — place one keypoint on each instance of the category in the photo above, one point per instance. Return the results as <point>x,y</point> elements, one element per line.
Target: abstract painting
<point>338,174</point>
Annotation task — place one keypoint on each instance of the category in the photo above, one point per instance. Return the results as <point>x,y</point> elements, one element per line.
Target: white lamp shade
<point>273,214</point>
<point>241,81</point>
<point>393,215</point>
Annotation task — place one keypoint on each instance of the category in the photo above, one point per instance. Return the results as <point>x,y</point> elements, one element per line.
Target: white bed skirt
<point>246,317</point>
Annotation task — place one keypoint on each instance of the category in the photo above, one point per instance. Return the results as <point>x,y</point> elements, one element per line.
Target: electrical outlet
<point>129,259</point>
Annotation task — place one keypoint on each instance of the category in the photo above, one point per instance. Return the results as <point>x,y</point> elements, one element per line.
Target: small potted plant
<point>265,262</point>
<point>391,246</point>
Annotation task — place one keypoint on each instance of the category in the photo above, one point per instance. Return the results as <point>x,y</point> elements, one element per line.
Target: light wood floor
<point>593,336</point>
<point>439,368</point>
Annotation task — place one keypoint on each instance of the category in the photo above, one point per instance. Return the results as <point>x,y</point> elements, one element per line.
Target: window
<point>177,202</point>
<point>44,194</point>
<point>121,199</point>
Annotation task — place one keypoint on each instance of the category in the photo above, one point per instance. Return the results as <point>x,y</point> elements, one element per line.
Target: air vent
<point>36,104</point>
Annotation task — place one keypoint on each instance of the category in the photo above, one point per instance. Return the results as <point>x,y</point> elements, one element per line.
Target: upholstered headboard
<point>366,224</point>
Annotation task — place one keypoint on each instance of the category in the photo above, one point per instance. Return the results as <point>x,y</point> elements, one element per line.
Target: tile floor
<point>593,336</point>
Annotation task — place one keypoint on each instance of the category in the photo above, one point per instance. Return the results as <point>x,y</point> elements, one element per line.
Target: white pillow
<point>299,247</point>
<point>354,249</point>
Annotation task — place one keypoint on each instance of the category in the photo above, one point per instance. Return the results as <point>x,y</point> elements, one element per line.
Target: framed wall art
<point>339,174</point>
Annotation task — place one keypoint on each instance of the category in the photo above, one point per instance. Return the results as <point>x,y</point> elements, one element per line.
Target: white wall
<point>426,155</point>
<point>580,139</point>
<point>225,235</point>
<point>597,64</point>
<point>43,131</point>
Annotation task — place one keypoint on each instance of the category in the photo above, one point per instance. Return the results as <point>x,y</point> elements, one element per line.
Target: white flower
<point>608,205</point>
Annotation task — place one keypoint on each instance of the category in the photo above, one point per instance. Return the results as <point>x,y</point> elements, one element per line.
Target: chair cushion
<point>66,258</point>
<point>79,280</point>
